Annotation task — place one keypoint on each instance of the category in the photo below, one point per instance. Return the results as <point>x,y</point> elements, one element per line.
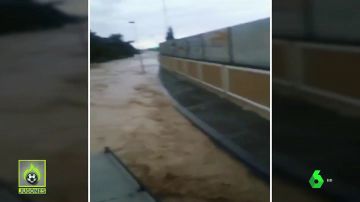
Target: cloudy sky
<point>187,17</point>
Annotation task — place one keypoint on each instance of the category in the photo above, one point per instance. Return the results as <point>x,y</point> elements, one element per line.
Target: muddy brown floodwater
<point>43,107</point>
<point>131,114</point>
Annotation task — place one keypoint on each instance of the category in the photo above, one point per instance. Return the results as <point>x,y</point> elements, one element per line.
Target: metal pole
<point>140,57</point>
<point>166,24</point>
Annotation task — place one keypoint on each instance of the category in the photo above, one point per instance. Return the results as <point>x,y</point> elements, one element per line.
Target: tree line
<point>109,48</point>
<point>29,15</point>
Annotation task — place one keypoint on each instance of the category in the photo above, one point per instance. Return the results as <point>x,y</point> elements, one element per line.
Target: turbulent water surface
<point>131,114</point>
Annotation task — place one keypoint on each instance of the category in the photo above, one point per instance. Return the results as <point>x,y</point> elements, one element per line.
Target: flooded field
<point>131,114</point>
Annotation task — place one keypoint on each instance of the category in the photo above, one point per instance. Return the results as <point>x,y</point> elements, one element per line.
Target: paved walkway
<point>110,181</point>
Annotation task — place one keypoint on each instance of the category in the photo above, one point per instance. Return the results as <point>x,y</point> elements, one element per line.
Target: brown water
<point>131,114</point>
<point>43,105</point>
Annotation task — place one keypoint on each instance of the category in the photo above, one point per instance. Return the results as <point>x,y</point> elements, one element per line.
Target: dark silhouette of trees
<point>170,34</point>
<point>27,15</point>
<point>116,37</point>
<point>109,48</point>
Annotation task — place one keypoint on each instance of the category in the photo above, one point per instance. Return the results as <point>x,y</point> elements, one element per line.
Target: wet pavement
<point>111,181</point>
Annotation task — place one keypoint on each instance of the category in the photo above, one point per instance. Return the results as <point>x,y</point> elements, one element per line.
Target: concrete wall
<point>288,18</point>
<point>328,71</point>
<point>251,44</point>
<point>216,46</point>
<point>195,50</point>
<point>233,62</point>
<point>180,48</point>
<point>316,52</point>
<point>251,85</point>
<point>245,86</point>
<point>334,20</point>
<point>242,45</point>
<point>325,20</point>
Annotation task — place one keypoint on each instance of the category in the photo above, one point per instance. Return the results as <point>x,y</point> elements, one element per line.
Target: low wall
<point>316,51</point>
<point>245,86</point>
<point>323,70</point>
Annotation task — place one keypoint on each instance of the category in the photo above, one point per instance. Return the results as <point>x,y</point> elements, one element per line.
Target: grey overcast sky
<point>187,17</point>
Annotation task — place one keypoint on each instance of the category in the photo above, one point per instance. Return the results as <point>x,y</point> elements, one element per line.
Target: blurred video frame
<point>43,94</point>
<point>315,108</point>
